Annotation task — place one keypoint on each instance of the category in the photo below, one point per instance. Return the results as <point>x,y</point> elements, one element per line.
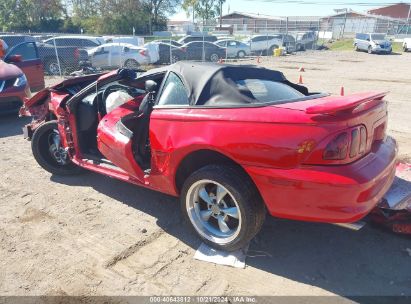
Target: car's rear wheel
<point>214,57</point>
<point>52,67</point>
<point>223,206</point>
<point>241,54</point>
<point>271,50</point>
<point>175,58</point>
<point>405,48</point>
<point>131,64</point>
<point>49,153</point>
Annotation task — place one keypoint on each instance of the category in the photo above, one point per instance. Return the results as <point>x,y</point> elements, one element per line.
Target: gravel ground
<point>92,235</point>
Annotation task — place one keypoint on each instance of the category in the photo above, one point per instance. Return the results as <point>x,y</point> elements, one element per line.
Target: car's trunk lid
<point>337,105</point>
<point>346,113</point>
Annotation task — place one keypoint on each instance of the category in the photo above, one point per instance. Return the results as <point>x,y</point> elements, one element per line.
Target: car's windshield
<point>267,91</point>
<point>378,37</point>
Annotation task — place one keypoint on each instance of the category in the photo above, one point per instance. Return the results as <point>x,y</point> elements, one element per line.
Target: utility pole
<point>408,17</point>
<point>345,22</point>
<point>221,14</point>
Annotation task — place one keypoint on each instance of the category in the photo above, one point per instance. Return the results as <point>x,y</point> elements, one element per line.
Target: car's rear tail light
<point>355,142</point>
<point>337,148</point>
<point>363,140</point>
<point>143,53</point>
<point>76,53</point>
<point>355,139</point>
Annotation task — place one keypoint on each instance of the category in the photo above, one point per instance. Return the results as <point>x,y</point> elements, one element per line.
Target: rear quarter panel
<point>265,137</point>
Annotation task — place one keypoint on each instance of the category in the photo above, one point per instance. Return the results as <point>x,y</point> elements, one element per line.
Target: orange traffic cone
<point>221,61</point>
<point>342,91</point>
<point>301,69</point>
<point>300,80</point>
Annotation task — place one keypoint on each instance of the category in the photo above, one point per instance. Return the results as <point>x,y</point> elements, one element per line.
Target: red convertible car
<point>234,142</point>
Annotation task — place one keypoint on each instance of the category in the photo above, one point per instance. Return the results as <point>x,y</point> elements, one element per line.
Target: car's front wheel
<point>241,54</point>
<point>223,206</point>
<point>49,152</point>
<point>405,48</point>
<point>370,50</point>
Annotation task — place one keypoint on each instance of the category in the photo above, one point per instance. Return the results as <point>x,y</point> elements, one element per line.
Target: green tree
<point>159,10</point>
<point>190,7</point>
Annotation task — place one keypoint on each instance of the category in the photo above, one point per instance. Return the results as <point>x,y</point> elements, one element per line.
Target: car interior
<point>103,100</point>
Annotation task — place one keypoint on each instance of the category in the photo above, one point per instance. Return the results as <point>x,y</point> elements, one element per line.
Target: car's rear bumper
<point>333,194</point>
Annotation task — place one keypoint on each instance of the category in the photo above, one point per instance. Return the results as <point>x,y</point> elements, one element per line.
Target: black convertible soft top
<point>214,84</point>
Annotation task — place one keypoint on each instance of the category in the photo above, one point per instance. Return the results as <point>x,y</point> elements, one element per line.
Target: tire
<point>241,54</point>
<point>356,48</point>
<point>369,50</point>
<point>131,64</point>
<point>271,50</point>
<point>175,58</point>
<point>242,201</point>
<point>41,146</point>
<point>214,57</point>
<point>52,67</point>
<point>300,47</point>
<point>405,48</point>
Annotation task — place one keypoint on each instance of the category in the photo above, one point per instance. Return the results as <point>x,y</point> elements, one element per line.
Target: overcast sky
<point>282,8</point>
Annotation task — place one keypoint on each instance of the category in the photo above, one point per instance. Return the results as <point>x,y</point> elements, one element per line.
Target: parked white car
<point>406,45</point>
<point>264,43</point>
<point>114,55</point>
<point>80,41</point>
<point>137,41</point>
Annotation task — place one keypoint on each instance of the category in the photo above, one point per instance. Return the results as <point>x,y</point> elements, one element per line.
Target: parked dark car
<point>306,41</point>
<point>168,41</point>
<point>20,71</point>
<point>206,51</point>
<point>191,38</point>
<point>165,50</point>
<point>85,42</point>
<point>13,40</point>
<point>70,58</point>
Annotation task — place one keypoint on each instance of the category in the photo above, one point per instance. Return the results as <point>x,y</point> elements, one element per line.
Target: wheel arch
<point>198,159</point>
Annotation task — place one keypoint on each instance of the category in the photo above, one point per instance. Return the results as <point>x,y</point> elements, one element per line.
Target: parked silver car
<point>372,43</point>
<point>115,55</point>
<point>235,49</point>
<point>264,44</point>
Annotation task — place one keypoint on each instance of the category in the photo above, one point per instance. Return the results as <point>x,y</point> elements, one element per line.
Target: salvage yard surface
<point>92,235</point>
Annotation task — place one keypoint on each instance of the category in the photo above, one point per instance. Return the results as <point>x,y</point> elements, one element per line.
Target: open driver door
<point>122,134</point>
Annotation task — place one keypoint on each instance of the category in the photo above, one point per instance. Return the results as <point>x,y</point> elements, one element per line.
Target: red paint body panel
<point>328,193</point>
<point>280,147</point>
<point>116,146</point>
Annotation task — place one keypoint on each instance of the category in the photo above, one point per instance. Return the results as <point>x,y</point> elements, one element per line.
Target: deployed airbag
<point>116,99</point>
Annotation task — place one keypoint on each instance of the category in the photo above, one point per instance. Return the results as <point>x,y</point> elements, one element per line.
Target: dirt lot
<point>92,235</point>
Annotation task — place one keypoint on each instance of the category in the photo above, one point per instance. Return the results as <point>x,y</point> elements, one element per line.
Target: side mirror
<point>15,59</point>
<point>151,86</point>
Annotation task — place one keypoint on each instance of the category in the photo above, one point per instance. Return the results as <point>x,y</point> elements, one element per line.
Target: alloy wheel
<point>57,152</point>
<point>213,211</point>
<point>214,57</point>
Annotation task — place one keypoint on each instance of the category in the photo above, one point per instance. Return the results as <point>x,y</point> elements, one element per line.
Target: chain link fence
<point>233,39</point>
